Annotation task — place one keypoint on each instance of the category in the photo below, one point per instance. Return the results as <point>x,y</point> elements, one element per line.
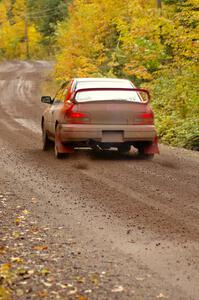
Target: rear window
<point>118,95</point>
<point>104,84</point>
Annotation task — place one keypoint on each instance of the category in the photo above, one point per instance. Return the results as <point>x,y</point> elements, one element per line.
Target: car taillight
<point>145,118</point>
<point>76,116</point>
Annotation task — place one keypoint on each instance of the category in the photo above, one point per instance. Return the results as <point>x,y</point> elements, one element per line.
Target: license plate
<point>109,136</point>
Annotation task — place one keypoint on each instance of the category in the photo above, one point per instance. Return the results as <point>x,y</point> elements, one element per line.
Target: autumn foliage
<point>155,48</point>
<point>13,31</point>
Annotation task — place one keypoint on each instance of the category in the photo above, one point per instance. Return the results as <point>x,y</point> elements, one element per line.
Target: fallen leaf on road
<point>2,250</point>
<point>17,260</point>
<point>42,294</point>
<point>63,286</point>
<point>88,291</point>
<point>44,271</point>
<point>19,292</point>
<point>47,284</point>
<point>23,282</point>
<point>82,298</point>
<point>34,230</point>
<point>5,268</point>
<point>34,200</point>
<point>70,242</point>
<point>22,271</point>
<point>80,279</point>
<point>26,212</point>
<point>40,248</point>
<point>72,292</point>
<point>16,234</point>
<point>4,293</point>
<point>117,289</point>
<point>17,221</point>
<point>162,296</point>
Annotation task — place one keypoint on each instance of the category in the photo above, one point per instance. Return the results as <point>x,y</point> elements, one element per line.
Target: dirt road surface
<point>114,227</point>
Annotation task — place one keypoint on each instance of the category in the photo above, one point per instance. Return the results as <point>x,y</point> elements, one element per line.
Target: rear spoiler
<point>114,89</point>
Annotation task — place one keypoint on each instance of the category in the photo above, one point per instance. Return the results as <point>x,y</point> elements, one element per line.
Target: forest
<point>154,43</point>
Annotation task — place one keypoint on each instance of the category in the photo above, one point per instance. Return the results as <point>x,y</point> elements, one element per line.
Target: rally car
<point>100,113</point>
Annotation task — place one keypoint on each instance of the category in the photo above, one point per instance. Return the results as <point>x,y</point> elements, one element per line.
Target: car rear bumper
<point>106,133</point>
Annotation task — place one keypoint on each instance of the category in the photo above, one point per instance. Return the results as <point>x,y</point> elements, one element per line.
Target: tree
<point>113,38</point>
<point>15,32</point>
<point>47,14</point>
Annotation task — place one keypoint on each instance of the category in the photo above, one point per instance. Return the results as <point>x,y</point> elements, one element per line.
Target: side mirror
<point>46,99</point>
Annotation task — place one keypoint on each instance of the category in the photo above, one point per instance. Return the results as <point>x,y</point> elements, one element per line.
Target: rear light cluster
<point>76,117</point>
<point>145,118</point>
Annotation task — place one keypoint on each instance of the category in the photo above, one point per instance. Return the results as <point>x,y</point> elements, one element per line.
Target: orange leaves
<point>2,250</point>
<point>40,248</point>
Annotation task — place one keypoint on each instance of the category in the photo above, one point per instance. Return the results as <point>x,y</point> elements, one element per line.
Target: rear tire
<point>143,155</point>
<point>46,143</point>
<point>58,155</point>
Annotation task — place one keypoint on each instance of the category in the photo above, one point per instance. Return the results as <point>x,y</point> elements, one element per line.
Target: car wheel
<point>58,155</point>
<point>46,143</point>
<point>143,155</point>
<point>124,149</point>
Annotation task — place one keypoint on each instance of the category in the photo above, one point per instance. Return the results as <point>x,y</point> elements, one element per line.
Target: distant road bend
<point>142,216</point>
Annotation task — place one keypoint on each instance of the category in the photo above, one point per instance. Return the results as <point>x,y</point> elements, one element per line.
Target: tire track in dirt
<point>148,210</point>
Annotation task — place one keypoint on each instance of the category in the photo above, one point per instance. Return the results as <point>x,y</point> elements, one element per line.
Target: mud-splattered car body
<point>99,113</point>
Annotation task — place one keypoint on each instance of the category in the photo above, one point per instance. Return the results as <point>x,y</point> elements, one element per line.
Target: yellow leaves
<point>80,279</point>
<point>6,278</point>
<point>20,219</point>
<point>44,272</point>
<point>26,212</point>
<point>12,31</point>
<point>17,221</point>
<point>4,293</point>
<point>95,279</point>
<point>16,234</point>
<point>5,270</point>
<point>3,14</point>
<point>98,30</point>
<point>17,260</point>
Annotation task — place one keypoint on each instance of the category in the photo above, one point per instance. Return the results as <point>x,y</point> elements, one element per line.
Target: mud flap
<point>61,148</point>
<point>152,148</point>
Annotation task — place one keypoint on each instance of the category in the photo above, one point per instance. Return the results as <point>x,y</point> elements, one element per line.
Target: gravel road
<point>119,227</point>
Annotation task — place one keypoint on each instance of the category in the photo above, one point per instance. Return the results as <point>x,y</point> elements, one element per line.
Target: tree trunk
<point>159,4</point>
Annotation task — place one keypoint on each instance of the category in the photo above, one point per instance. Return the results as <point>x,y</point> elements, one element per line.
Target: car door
<point>55,108</point>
